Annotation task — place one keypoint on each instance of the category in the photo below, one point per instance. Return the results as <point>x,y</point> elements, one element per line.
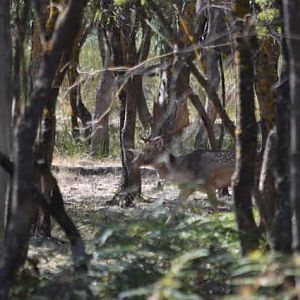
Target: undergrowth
<point>133,258</point>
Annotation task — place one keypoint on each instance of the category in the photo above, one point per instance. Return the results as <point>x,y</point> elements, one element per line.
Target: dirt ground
<point>92,185</point>
<point>86,187</point>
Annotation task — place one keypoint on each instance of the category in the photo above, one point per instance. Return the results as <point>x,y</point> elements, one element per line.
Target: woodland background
<point>80,81</point>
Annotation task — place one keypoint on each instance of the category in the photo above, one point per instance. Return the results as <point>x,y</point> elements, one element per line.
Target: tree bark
<point>266,76</point>
<point>130,185</point>
<point>246,133</point>
<point>100,135</point>
<point>282,232</point>
<point>125,53</point>
<point>213,96</point>
<point>266,68</point>
<point>143,110</point>
<point>208,124</point>
<point>44,145</point>
<point>291,10</point>
<point>215,23</point>
<point>170,113</point>
<point>20,78</point>
<point>142,107</point>
<point>24,207</point>
<point>5,104</point>
<point>105,92</point>
<point>78,109</point>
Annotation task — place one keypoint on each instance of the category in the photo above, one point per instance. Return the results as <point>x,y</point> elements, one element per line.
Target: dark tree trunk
<point>20,80</point>
<point>210,63</point>
<point>266,76</point>
<point>125,52</point>
<point>24,206</point>
<point>55,205</point>
<point>36,45</point>
<point>291,10</point>
<point>44,144</point>
<point>5,104</point>
<point>246,133</point>
<point>143,111</point>
<point>130,186</point>
<point>78,109</point>
<point>282,235</point>
<point>266,66</point>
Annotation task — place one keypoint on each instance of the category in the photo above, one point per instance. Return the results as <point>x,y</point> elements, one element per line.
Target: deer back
<point>209,167</point>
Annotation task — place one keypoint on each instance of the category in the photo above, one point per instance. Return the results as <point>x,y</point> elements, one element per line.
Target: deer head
<point>151,151</point>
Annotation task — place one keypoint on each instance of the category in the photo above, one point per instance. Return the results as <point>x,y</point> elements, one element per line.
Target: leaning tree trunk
<point>44,144</point>
<point>291,10</point>
<point>5,102</point>
<point>213,96</point>
<point>207,123</point>
<point>24,206</point>
<point>246,133</point>
<point>210,63</point>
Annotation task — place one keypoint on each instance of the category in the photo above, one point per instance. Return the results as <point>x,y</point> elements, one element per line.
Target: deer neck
<point>161,164</point>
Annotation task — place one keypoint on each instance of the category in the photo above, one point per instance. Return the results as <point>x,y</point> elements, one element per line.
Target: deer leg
<point>184,194</point>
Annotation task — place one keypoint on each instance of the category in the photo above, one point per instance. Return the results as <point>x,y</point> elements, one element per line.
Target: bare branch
<point>164,23</point>
<point>206,121</point>
<point>213,96</point>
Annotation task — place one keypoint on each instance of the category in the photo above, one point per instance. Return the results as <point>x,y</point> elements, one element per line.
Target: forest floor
<point>92,185</point>
<point>123,241</point>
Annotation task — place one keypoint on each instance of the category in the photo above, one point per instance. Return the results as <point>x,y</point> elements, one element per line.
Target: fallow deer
<point>198,170</point>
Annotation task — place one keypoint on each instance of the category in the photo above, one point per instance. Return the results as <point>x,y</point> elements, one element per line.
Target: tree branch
<point>213,96</point>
